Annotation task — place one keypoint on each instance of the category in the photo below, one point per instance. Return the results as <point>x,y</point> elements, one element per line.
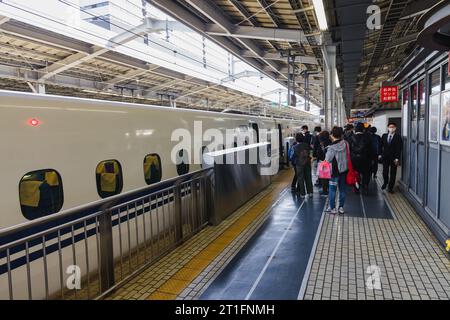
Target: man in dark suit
<point>391,152</point>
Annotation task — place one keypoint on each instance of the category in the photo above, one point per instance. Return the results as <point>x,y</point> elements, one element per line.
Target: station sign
<point>389,94</point>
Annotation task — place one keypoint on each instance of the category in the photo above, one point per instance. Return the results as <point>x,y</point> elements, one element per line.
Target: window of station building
<point>422,99</point>
<point>433,117</point>
<point>40,193</point>
<point>445,77</point>
<point>435,82</point>
<point>109,178</point>
<point>152,168</point>
<point>182,162</point>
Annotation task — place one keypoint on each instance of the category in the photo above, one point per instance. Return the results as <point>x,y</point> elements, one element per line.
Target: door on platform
<point>413,139</point>
<point>405,131</point>
<point>434,105</point>
<point>421,154</point>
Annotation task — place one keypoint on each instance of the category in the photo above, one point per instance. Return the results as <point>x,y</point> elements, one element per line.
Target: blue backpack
<point>291,155</point>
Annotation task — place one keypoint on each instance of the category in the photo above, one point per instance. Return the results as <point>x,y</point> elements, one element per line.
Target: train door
<point>280,144</point>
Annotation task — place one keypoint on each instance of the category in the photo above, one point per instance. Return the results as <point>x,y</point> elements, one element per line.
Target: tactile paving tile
<point>411,262</point>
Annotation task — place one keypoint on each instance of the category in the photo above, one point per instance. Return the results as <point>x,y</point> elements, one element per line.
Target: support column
<point>329,53</point>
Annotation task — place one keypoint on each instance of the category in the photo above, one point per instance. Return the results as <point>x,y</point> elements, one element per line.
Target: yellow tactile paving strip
<point>167,278</point>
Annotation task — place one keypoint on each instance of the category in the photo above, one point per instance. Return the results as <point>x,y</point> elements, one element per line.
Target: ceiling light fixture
<point>320,14</point>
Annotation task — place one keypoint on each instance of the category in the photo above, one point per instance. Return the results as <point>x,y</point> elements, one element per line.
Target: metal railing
<point>86,252</point>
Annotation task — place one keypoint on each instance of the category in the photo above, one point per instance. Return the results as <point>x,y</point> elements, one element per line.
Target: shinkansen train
<point>59,152</point>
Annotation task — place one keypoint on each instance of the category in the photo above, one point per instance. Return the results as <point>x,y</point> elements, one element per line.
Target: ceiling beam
<point>129,75</point>
<point>268,10</point>
<point>4,20</point>
<point>214,14</point>
<point>259,33</point>
<point>80,57</point>
<point>173,9</point>
<point>277,56</point>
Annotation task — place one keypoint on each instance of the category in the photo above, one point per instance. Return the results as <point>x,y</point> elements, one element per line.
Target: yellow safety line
<point>181,280</point>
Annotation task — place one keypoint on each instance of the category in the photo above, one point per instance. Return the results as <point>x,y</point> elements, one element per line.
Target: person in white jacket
<point>337,155</point>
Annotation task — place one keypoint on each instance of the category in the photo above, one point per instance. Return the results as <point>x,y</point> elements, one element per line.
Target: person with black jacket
<point>348,132</point>
<point>376,146</point>
<point>294,184</point>
<point>361,154</point>
<point>307,135</point>
<point>302,151</point>
<point>391,145</point>
<point>324,141</point>
<point>315,145</point>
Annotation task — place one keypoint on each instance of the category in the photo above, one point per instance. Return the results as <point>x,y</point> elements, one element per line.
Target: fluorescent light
<point>338,85</point>
<point>320,14</point>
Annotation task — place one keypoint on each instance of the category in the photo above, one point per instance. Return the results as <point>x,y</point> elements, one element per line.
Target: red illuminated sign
<point>389,94</point>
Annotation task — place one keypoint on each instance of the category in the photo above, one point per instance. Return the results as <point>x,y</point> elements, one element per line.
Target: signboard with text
<point>389,94</point>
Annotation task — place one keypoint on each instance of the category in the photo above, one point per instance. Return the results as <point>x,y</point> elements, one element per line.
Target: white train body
<point>73,135</point>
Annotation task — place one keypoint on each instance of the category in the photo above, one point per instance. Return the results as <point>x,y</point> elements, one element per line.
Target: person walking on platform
<point>376,147</point>
<point>307,135</point>
<point>294,184</point>
<point>348,132</point>
<point>302,151</point>
<point>324,142</point>
<point>391,145</point>
<point>361,155</point>
<point>337,155</point>
<point>315,145</point>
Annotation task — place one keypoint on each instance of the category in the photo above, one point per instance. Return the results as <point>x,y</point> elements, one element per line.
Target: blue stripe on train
<point>18,262</point>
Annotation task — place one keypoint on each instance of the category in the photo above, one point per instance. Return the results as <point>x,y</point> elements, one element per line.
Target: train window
<point>40,193</point>
<point>152,168</point>
<point>109,178</point>
<point>182,162</point>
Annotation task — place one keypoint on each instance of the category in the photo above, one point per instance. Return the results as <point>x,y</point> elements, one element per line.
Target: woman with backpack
<point>324,141</point>
<point>338,155</point>
<point>302,159</point>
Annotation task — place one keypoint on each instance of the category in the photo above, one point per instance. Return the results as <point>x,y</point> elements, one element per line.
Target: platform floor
<point>279,246</point>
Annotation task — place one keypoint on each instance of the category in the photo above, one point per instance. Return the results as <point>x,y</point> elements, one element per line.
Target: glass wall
<point>426,135</point>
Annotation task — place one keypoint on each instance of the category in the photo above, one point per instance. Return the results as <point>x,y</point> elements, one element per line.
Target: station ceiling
<point>365,57</point>
<point>30,55</point>
<point>261,32</point>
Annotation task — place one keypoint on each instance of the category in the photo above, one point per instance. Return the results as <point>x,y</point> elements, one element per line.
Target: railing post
<point>194,196</point>
<point>207,192</point>
<point>106,251</point>
<point>178,212</point>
